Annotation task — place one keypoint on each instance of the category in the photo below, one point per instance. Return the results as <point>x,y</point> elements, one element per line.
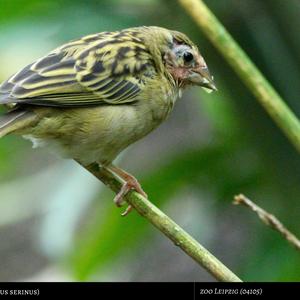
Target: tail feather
<point>15,120</point>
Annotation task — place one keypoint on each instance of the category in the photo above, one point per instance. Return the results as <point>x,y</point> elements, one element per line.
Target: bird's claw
<point>126,211</point>
<point>119,198</point>
<point>131,184</point>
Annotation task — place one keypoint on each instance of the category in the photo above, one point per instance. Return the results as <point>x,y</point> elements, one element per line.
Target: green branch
<point>244,67</point>
<point>167,226</point>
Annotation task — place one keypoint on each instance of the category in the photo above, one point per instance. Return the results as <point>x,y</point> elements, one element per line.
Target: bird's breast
<point>159,101</point>
<point>101,133</point>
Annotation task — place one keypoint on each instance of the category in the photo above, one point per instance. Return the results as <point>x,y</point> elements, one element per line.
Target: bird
<point>94,96</point>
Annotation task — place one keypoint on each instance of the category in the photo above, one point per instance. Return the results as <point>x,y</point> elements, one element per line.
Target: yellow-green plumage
<point>95,96</point>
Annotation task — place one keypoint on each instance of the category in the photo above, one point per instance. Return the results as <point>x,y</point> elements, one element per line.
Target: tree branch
<point>245,68</point>
<point>268,219</point>
<point>167,226</point>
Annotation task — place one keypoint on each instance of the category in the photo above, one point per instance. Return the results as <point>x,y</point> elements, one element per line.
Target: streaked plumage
<point>96,95</point>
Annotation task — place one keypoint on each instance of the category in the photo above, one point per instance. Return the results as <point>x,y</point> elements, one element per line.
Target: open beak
<point>202,77</point>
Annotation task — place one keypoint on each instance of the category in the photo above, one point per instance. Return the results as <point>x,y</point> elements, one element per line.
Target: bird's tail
<point>15,120</point>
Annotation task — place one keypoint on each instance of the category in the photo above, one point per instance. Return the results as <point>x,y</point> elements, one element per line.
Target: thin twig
<point>245,68</point>
<point>167,226</point>
<point>268,219</point>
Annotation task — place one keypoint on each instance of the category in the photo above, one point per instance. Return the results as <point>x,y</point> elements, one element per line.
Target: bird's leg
<point>130,183</point>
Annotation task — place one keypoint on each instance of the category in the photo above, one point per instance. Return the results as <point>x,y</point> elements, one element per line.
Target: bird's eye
<point>188,57</point>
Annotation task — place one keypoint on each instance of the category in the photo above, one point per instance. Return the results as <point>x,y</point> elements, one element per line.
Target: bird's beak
<point>202,77</point>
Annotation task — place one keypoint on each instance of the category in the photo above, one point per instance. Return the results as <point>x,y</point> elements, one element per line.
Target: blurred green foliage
<point>239,150</point>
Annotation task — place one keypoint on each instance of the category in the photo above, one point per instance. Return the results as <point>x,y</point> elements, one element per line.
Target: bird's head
<point>182,60</point>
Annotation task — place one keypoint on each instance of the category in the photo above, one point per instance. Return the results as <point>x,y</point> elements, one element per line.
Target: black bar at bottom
<point>130,290</point>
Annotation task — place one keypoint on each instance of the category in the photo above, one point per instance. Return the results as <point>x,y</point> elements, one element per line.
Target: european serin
<point>95,96</point>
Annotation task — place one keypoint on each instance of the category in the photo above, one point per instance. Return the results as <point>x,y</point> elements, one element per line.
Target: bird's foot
<point>130,184</point>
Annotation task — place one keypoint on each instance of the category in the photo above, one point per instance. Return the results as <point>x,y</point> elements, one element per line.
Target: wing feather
<point>98,69</point>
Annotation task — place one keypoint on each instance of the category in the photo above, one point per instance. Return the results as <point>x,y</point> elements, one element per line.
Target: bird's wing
<point>98,69</point>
